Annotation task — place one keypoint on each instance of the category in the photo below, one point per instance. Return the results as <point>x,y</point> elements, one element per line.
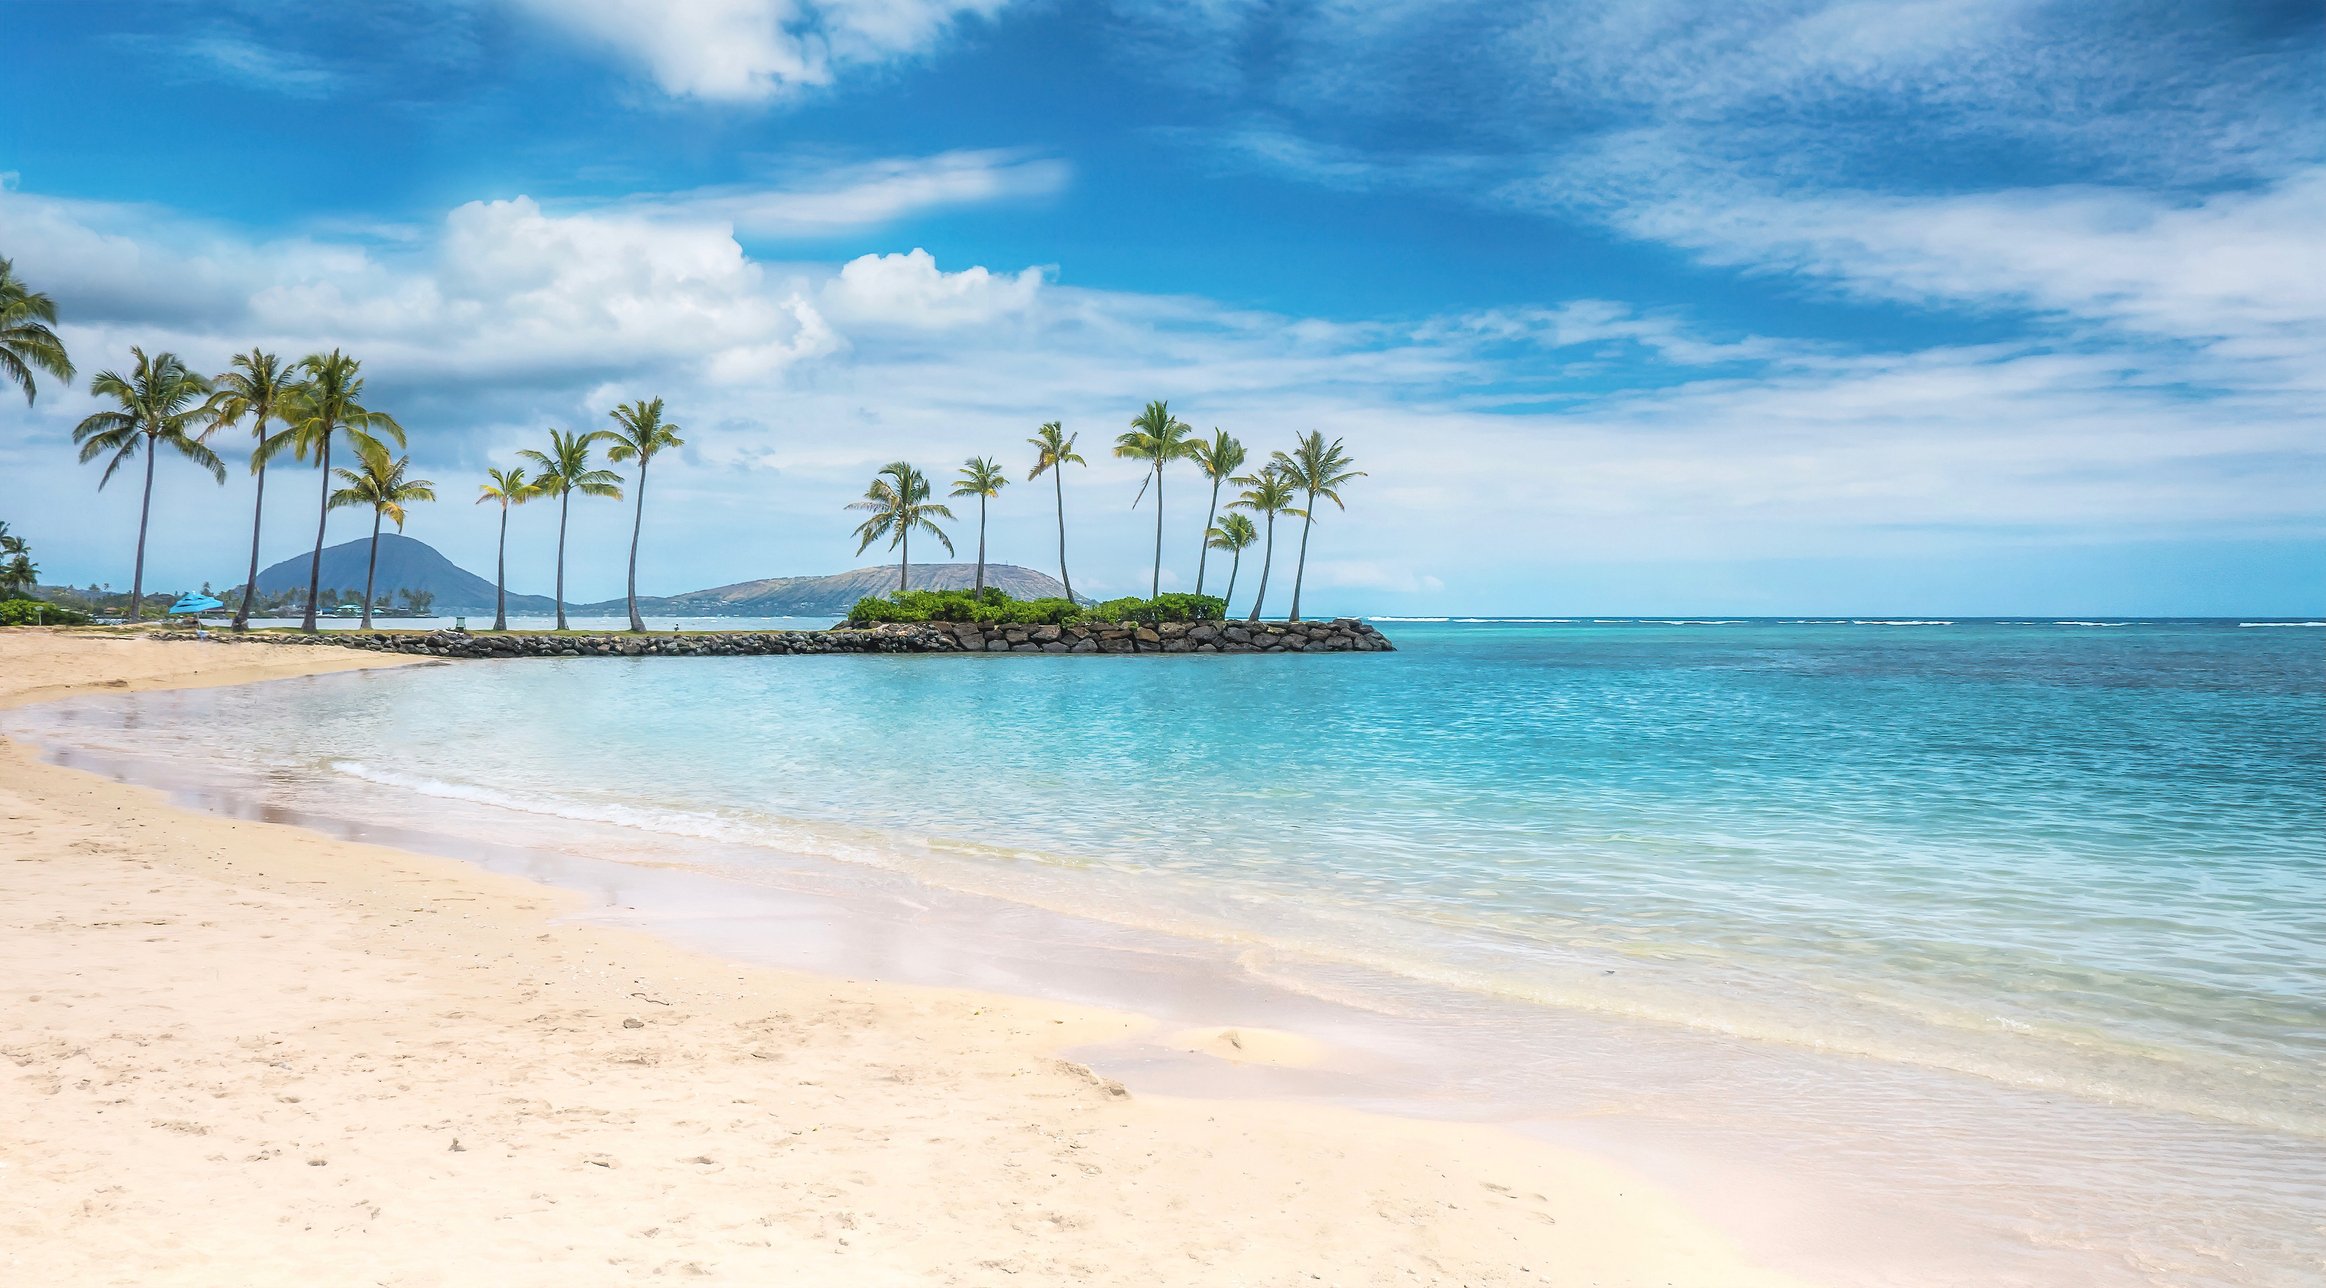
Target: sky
<point>1963,307</point>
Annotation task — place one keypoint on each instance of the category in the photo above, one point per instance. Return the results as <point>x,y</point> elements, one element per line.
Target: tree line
<point>309,409</point>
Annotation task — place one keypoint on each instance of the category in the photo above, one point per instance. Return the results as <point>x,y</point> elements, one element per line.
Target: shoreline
<point>420,1000</point>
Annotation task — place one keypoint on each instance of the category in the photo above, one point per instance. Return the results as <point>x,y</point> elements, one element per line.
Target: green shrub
<point>995,609</point>
<point>27,612</point>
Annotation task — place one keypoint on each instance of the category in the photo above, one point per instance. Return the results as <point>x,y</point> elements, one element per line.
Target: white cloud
<point>829,200</point>
<point>755,50</point>
<point>911,292</point>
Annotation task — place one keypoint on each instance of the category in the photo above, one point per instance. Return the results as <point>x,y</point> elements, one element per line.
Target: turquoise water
<point>2085,862</point>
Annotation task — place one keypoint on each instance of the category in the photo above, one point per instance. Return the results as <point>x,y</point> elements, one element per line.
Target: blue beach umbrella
<point>193,603</point>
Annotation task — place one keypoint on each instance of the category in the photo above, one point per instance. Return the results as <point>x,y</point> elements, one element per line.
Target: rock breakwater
<point>1340,635</point>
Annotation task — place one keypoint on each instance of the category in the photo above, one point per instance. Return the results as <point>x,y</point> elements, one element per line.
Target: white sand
<point>240,1053</point>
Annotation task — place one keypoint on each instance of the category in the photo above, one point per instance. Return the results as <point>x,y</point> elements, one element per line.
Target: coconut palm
<point>980,478</point>
<point>562,471</point>
<point>1269,494</point>
<point>19,575</point>
<point>1235,534</point>
<point>254,385</point>
<point>1053,452</point>
<point>508,487</point>
<point>163,404</point>
<point>1219,459</point>
<point>899,502</point>
<point>638,435</point>
<point>25,339</point>
<point>378,482</point>
<point>327,404</point>
<point>1158,438</point>
<point>1316,468</point>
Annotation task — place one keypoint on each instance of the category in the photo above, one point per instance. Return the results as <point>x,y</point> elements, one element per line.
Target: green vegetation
<point>1158,438</point>
<point>981,478</point>
<point>18,575</point>
<point>379,484</point>
<point>1053,452</point>
<point>508,487</point>
<point>1219,459</point>
<point>638,434</point>
<point>899,502</point>
<point>992,608</point>
<point>562,471</point>
<point>26,342</point>
<point>327,404</point>
<point>1318,469</point>
<point>161,404</point>
<point>255,386</point>
<point>1268,494</point>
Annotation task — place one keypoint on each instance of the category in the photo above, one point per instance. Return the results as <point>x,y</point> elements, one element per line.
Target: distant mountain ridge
<point>409,564</point>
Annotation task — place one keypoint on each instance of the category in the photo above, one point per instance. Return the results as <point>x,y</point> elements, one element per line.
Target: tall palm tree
<point>1053,452</point>
<point>562,471</point>
<point>899,502</point>
<point>1219,459</point>
<point>1158,438</point>
<point>638,434</point>
<point>509,487</point>
<point>1267,493</point>
<point>1316,468</point>
<point>980,478</point>
<point>1235,534</point>
<point>162,405</point>
<point>25,339</point>
<point>378,482</point>
<point>255,385</point>
<point>19,575</point>
<point>326,404</point>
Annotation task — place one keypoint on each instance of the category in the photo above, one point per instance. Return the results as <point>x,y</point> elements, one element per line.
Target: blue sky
<point>1950,306</point>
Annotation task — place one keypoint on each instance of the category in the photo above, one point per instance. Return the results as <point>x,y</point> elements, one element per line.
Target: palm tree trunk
<point>1267,558</point>
<point>1307,521</point>
<point>322,516</point>
<point>257,514</point>
<point>904,559</point>
<point>637,521</point>
<point>564,501</point>
<point>1210,517</point>
<point>1233,569</point>
<point>501,575</point>
<point>371,571</point>
<point>144,509</point>
<point>1155,588</point>
<point>1058,477</point>
<point>979,593</point>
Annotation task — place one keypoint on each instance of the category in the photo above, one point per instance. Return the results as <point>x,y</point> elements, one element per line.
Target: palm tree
<point>1054,451</point>
<point>162,405</point>
<point>255,385</point>
<point>1266,493</point>
<point>327,403</point>
<point>509,487</point>
<point>562,471</point>
<point>1159,438</point>
<point>19,575</point>
<point>640,435</point>
<point>379,482</point>
<point>1218,459</point>
<point>1235,534</point>
<point>899,502</point>
<point>25,339</point>
<point>983,479</point>
<point>1318,469</point>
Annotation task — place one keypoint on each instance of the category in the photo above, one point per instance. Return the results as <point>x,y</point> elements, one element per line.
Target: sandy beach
<point>244,1053</point>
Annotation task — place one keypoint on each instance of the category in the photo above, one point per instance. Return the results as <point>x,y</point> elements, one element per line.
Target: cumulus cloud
<point>911,292</point>
<point>756,50</point>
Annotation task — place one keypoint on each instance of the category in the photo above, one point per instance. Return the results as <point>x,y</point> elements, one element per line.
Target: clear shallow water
<point>1878,866</point>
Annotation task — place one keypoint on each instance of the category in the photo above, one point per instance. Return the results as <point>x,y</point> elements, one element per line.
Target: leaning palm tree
<point>509,487</point>
<point>326,404</point>
<point>1235,534</point>
<point>1158,438</point>
<point>162,405</point>
<point>255,385</point>
<point>378,482</point>
<point>1054,451</point>
<point>1267,493</point>
<point>1219,459</point>
<point>983,479</point>
<point>562,471</point>
<point>25,339</point>
<point>1316,468</point>
<point>899,502</point>
<point>640,434</point>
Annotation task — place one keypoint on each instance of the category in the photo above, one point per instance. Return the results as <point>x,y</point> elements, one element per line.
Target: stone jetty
<point>1340,635</point>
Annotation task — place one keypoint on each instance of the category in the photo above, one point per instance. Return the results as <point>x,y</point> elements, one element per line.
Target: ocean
<point>2010,935</point>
